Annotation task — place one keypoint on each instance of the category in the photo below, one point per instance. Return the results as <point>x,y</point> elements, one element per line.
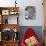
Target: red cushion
<point>28,33</point>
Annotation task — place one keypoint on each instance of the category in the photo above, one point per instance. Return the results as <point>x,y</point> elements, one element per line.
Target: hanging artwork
<point>30,12</point>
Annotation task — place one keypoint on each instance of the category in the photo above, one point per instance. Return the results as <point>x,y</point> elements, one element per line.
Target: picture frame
<point>30,12</point>
<point>5,12</point>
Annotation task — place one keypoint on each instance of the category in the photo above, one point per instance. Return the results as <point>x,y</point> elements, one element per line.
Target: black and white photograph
<point>30,12</point>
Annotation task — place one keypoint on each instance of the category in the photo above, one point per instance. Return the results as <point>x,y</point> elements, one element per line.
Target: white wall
<point>22,4</point>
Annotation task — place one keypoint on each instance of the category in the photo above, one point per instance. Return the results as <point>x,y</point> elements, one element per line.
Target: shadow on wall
<point>37,29</point>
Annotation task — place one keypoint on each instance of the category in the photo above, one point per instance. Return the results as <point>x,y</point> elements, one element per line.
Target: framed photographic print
<point>5,12</point>
<point>30,12</point>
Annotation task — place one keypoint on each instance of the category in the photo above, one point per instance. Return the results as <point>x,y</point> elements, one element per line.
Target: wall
<point>39,13</point>
<point>22,4</point>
